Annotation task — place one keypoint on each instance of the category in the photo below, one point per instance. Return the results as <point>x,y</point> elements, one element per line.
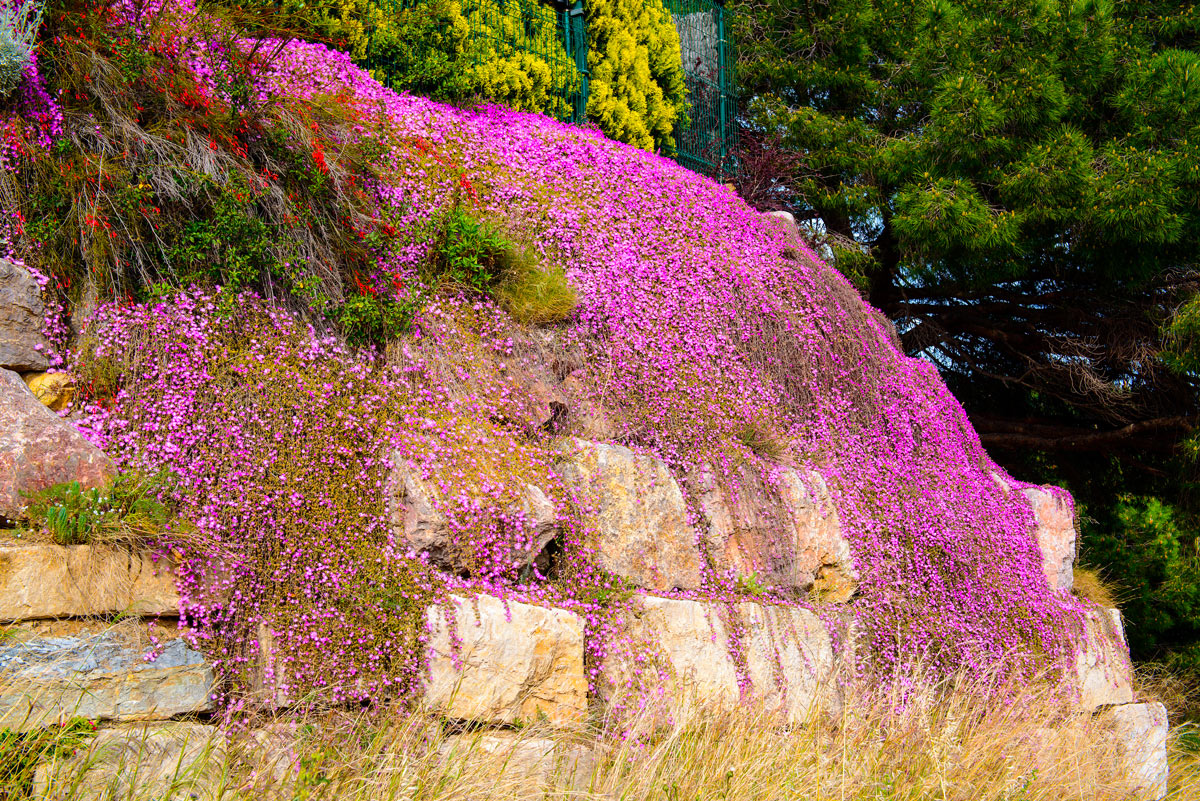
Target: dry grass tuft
<point>1091,585</point>
<point>951,742</point>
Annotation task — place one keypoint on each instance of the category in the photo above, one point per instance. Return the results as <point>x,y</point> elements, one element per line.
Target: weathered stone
<point>636,507</point>
<point>1103,673</point>
<point>524,767</point>
<point>514,662</point>
<point>164,761</point>
<point>39,450</point>
<point>683,653</point>
<point>1055,531</point>
<point>1056,535</point>
<point>785,535</point>
<point>1139,732</point>
<point>54,390</point>
<point>415,517</point>
<point>100,677</point>
<point>22,346</point>
<point>47,581</point>
<point>786,221</point>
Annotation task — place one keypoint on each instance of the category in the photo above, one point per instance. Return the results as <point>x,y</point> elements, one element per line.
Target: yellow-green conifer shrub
<point>509,51</point>
<point>350,24</point>
<point>636,89</point>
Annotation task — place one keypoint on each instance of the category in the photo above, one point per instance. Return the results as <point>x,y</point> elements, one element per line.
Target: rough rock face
<point>684,653</point>
<point>1056,536</point>
<point>22,345</point>
<point>167,761</point>
<point>54,390</point>
<point>515,662</point>
<point>637,509</point>
<point>1139,732</point>
<point>49,581</point>
<point>38,449</point>
<point>416,519</point>
<point>533,764</point>
<point>786,535</point>
<point>1103,673</point>
<point>101,678</point>
<point>1055,531</point>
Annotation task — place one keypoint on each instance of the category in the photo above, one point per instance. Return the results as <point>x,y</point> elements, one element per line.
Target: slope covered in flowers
<point>706,332</point>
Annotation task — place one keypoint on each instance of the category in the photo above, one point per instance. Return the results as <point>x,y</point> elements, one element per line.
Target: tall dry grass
<point>950,742</point>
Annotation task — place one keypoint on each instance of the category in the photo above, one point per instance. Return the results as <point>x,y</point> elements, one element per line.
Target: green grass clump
<point>22,752</point>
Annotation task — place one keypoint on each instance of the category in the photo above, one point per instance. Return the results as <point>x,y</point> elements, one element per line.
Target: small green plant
<point>751,584</point>
<point>22,752</point>
<point>469,252</point>
<point>759,441</point>
<point>129,510</point>
<point>372,319</point>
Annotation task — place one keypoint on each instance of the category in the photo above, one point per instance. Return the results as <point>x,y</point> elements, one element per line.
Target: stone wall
<point>493,663</point>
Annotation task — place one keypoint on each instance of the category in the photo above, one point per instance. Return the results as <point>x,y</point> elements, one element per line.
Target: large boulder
<point>38,449</point>
<point>785,533</point>
<point>1056,534</point>
<point>1103,673</point>
<point>165,761</point>
<point>636,509</point>
<point>50,581</point>
<point>1139,733</point>
<point>501,662</point>
<point>688,656</point>
<point>416,519</point>
<point>1054,529</point>
<point>99,677</point>
<point>22,345</point>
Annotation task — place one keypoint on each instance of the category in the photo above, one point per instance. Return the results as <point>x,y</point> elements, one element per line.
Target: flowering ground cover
<point>711,337</point>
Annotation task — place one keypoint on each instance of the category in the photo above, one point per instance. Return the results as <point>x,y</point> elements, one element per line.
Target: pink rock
<point>38,449</point>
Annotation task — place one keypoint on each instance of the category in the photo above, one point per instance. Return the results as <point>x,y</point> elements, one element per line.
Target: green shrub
<point>468,252</point>
<point>127,511</point>
<point>373,319</point>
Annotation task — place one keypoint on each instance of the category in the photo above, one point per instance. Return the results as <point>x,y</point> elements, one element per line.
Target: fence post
<point>722,86</point>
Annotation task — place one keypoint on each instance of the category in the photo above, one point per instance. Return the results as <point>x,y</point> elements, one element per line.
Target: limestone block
<point>787,222</point>
<point>682,656</point>
<point>528,765</point>
<point>789,659</point>
<point>1103,674</point>
<point>636,507</point>
<point>1139,732</point>
<point>49,581</point>
<point>785,535</point>
<point>1056,535</point>
<point>54,390</point>
<point>1054,522</point>
<point>22,346</point>
<point>514,662</point>
<point>99,677</point>
<point>166,761</point>
<point>415,519</point>
<point>38,449</point>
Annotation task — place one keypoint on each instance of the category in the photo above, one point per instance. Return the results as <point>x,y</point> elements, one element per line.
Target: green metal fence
<point>499,44</point>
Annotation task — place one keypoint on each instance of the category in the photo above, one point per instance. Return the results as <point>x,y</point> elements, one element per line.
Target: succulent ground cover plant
<point>711,339</point>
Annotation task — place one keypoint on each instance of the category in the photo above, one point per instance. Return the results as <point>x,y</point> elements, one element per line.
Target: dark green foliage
<point>1016,185</point>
